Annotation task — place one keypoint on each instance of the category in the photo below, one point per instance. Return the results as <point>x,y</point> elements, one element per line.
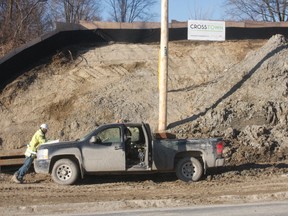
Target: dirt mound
<point>234,89</point>
<point>247,106</point>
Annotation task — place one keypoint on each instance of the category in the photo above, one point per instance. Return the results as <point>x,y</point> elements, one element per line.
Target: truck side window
<point>137,135</point>
<point>110,135</point>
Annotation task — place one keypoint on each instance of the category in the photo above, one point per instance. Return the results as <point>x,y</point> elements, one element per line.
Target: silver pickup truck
<point>127,148</point>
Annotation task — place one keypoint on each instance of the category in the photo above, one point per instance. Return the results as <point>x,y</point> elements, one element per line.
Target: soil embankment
<point>234,89</point>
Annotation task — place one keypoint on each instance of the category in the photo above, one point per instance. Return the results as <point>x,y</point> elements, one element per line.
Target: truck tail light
<point>219,148</point>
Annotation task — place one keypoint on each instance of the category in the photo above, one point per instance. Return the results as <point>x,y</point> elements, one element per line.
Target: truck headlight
<point>42,154</point>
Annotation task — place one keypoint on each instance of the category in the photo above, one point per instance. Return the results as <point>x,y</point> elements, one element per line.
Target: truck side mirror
<point>95,139</point>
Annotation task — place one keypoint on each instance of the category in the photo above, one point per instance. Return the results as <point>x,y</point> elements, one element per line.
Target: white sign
<point>206,30</point>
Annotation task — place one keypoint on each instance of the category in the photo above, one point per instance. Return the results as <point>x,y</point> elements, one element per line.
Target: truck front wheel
<point>65,171</point>
<point>189,169</point>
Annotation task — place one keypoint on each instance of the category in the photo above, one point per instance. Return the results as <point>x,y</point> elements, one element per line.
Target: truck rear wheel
<point>65,171</point>
<point>189,169</point>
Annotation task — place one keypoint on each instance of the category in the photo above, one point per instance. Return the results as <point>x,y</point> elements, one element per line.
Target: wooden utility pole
<point>163,67</point>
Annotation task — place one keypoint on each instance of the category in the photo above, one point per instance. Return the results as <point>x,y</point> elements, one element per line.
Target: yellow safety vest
<point>37,139</point>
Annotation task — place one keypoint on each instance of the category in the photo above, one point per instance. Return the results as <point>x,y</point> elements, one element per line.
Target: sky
<point>183,10</point>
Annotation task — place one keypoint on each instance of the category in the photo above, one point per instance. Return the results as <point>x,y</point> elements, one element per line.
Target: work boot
<point>15,179</point>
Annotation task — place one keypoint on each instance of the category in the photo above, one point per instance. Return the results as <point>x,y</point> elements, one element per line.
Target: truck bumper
<point>41,166</point>
<point>219,162</point>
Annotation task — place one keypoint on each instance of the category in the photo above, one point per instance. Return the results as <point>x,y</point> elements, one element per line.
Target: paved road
<point>258,209</point>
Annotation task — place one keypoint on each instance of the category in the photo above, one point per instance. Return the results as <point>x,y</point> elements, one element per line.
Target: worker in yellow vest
<point>37,139</point>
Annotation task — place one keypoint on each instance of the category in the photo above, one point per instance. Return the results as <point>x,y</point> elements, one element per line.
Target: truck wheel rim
<point>64,172</point>
<point>188,170</point>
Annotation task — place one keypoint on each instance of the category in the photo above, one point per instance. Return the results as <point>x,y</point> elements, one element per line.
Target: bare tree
<point>21,21</point>
<point>131,10</point>
<point>72,11</point>
<point>199,13</point>
<point>257,10</point>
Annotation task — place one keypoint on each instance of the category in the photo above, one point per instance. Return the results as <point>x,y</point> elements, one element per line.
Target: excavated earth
<point>235,89</point>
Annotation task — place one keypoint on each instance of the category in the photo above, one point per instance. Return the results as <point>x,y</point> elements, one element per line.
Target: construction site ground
<point>235,89</point>
<point>233,185</point>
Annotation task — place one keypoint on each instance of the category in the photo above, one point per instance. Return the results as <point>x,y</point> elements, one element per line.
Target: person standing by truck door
<point>37,139</point>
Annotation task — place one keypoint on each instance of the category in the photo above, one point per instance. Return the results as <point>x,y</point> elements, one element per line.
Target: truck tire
<point>189,169</point>
<point>65,172</point>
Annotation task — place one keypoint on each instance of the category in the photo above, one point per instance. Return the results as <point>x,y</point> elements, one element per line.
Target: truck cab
<point>126,147</point>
